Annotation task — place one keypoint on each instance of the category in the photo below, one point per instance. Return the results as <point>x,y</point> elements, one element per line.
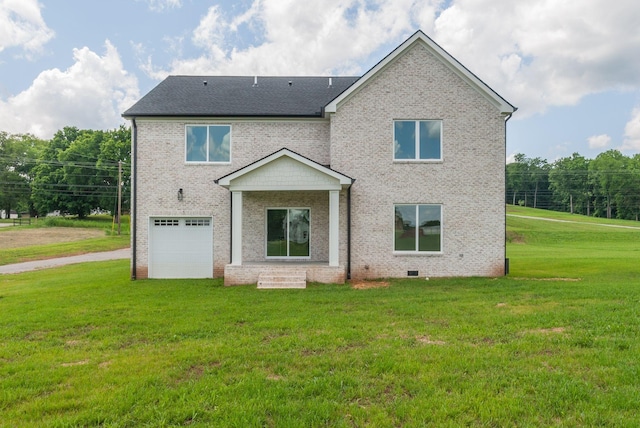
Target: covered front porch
<point>287,213</point>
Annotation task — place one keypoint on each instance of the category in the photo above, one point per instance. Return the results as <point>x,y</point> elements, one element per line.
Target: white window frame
<point>417,140</point>
<point>207,126</point>
<point>266,233</point>
<point>417,251</point>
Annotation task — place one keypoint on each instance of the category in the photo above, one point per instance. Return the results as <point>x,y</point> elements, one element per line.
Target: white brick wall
<point>469,182</point>
<point>162,171</point>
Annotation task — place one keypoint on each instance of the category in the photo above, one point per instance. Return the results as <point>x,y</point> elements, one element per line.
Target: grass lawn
<point>556,343</point>
<point>34,242</point>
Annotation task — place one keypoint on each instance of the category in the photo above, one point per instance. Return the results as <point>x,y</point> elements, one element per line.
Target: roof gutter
<point>134,195</point>
<point>506,260</point>
<point>349,230</point>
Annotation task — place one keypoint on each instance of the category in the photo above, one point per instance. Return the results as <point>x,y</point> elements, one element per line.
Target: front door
<point>287,233</point>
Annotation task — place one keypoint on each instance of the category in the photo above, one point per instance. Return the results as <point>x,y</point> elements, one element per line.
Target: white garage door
<point>180,247</point>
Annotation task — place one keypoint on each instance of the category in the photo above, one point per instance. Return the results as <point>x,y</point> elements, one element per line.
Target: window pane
<point>276,233</point>
<point>429,232</point>
<point>219,143</point>
<point>298,233</point>
<point>404,136</point>
<point>430,132</point>
<point>405,228</point>
<point>196,143</point>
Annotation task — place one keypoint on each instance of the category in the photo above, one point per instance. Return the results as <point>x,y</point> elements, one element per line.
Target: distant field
<point>555,343</point>
<point>17,237</point>
<point>57,237</point>
<point>577,247</point>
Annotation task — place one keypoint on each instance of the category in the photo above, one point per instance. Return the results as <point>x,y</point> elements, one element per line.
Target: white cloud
<point>21,25</point>
<point>599,141</point>
<point>535,54</point>
<point>90,94</point>
<point>162,5</point>
<point>632,132</point>
<point>540,54</point>
<point>332,36</point>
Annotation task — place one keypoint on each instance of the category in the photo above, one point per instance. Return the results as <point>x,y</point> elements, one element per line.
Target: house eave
<point>130,116</point>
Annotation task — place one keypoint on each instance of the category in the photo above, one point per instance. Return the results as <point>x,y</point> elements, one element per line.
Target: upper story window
<point>417,140</point>
<point>208,143</point>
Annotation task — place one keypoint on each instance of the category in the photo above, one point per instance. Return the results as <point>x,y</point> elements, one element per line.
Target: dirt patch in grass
<point>428,341</point>
<point>46,236</point>
<point>365,285</point>
<point>553,330</point>
<point>75,363</point>
<point>515,237</point>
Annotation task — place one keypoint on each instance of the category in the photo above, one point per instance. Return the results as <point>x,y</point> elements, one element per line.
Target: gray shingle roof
<point>238,96</point>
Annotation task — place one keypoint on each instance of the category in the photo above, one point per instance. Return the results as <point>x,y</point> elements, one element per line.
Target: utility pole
<point>119,194</point>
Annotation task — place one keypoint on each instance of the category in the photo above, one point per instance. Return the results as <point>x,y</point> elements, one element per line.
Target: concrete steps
<point>282,278</point>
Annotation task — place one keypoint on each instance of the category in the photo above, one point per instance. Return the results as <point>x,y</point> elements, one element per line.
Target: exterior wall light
<point>180,194</point>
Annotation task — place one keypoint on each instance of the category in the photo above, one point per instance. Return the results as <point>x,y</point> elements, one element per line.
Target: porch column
<point>334,227</point>
<point>236,228</point>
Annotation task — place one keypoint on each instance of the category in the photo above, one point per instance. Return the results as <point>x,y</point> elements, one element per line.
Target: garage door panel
<point>181,248</point>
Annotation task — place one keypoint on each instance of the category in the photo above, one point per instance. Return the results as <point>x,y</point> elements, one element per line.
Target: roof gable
<point>454,65</point>
<point>284,170</point>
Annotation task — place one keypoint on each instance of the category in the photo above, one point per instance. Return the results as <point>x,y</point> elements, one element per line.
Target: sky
<point>572,67</point>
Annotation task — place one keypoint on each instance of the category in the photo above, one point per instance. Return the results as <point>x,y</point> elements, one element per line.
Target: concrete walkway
<point>124,253</point>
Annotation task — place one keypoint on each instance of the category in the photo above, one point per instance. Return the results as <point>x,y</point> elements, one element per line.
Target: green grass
<point>84,346</point>
<point>515,210</point>
<point>583,248</point>
<point>111,240</point>
<point>40,252</point>
<point>105,222</point>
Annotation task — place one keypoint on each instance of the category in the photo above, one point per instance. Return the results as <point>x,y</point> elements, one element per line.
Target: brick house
<point>399,172</point>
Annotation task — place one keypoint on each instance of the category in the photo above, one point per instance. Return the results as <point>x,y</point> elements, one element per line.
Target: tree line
<point>606,186</point>
<point>76,172</point>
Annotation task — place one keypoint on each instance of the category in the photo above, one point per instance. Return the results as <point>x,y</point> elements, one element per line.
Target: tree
<point>627,197</point>
<point>48,189</point>
<point>116,147</point>
<point>78,171</point>
<point>605,172</point>
<point>538,177</point>
<point>528,178</point>
<point>569,183</point>
<point>17,158</point>
<point>516,172</point>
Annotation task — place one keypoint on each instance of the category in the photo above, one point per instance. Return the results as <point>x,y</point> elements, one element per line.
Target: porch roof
<point>284,170</point>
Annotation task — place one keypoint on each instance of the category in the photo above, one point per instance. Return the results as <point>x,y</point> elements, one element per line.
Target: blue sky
<point>572,67</point>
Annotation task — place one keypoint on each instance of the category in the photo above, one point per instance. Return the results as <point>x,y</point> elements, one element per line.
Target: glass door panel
<point>298,233</point>
<point>276,233</point>
<point>288,232</point>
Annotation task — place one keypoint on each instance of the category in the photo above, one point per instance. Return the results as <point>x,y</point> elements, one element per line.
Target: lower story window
<point>418,228</point>
<point>288,232</point>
